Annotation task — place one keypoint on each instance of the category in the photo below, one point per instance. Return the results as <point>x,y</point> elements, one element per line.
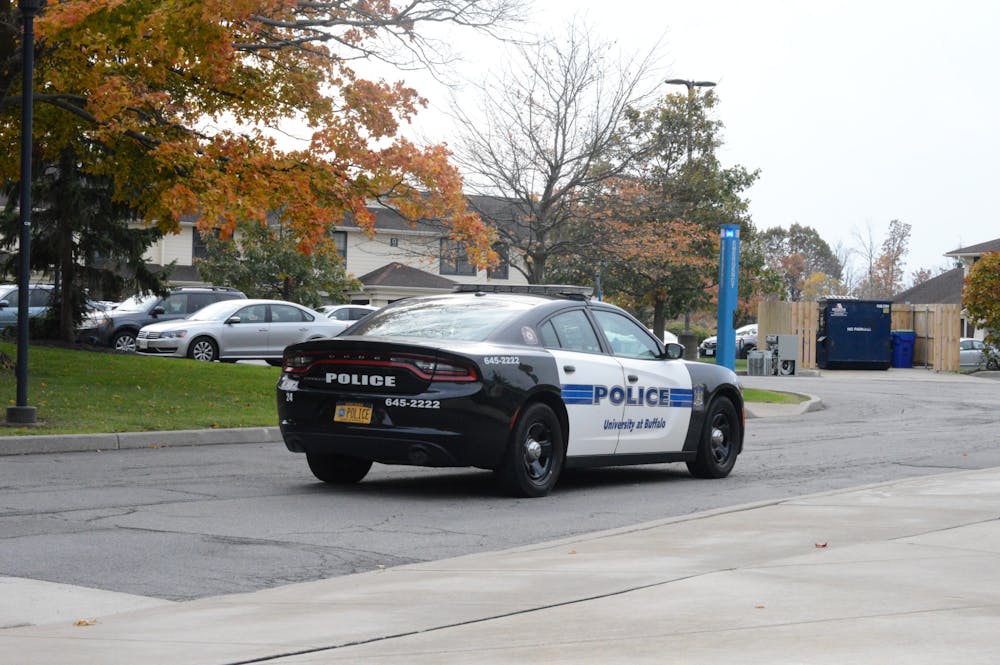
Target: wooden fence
<point>936,326</point>
<point>938,332</point>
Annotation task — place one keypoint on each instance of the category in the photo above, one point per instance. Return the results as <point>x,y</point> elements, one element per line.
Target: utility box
<point>785,349</point>
<point>759,363</point>
<point>854,334</point>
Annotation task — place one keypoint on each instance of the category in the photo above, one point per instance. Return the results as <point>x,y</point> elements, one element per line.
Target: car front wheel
<point>203,349</point>
<point>338,469</point>
<point>535,453</point>
<point>720,440</point>
<point>124,342</point>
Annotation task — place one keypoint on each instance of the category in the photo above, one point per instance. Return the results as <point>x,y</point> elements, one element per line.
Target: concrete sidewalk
<point>904,572</point>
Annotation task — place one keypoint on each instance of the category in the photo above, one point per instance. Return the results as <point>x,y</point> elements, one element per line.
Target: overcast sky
<point>856,112</point>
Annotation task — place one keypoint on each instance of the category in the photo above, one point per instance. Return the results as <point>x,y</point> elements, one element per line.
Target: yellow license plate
<point>360,414</point>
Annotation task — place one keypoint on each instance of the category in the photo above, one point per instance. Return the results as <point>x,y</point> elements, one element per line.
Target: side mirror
<point>673,351</point>
<point>4,303</point>
<point>232,319</point>
<point>156,311</point>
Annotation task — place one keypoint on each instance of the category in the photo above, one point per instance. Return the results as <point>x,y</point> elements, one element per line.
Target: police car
<point>526,381</point>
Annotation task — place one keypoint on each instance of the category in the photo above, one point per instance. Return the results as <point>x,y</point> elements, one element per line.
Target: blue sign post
<point>729,281</point>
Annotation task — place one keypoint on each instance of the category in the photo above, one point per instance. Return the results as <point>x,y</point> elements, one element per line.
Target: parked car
<point>118,327</point>
<point>746,341</point>
<point>522,380</point>
<point>39,299</point>
<point>976,353</point>
<point>347,314</point>
<point>237,330</point>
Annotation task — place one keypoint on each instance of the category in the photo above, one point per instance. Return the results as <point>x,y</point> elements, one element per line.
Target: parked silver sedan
<point>975,353</point>
<point>233,330</point>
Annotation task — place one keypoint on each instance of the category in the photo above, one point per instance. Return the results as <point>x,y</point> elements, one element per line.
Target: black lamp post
<point>691,85</point>
<point>688,339</point>
<point>22,413</point>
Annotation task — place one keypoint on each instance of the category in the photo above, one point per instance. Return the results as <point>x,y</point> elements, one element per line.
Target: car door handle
<point>632,378</point>
<point>569,369</point>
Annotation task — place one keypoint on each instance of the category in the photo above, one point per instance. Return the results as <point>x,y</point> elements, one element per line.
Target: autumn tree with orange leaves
<point>648,255</point>
<point>178,103</point>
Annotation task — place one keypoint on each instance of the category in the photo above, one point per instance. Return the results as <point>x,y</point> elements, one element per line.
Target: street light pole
<point>22,413</point>
<point>689,339</point>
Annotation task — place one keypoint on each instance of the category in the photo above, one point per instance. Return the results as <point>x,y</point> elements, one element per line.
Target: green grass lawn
<point>77,391</point>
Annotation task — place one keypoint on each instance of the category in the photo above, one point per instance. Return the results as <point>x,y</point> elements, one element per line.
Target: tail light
<point>427,368</point>
<point>432,369</point>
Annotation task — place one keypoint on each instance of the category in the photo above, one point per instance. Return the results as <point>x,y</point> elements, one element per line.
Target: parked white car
<point>234,330</point>
<point>347,314</point>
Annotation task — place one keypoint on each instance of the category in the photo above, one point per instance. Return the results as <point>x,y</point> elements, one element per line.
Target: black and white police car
<point>523,380</point>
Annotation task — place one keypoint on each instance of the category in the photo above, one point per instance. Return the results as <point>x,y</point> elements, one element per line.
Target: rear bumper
<point>462,432</point>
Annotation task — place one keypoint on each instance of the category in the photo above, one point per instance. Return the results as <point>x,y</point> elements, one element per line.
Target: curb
<point>766,410</point>
<point>73,443</point>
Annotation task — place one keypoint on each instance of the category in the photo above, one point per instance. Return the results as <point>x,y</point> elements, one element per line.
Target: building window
<point>340,242</point>
<point>502,269</point>
<point>454,259</point>
<point>198,248</point>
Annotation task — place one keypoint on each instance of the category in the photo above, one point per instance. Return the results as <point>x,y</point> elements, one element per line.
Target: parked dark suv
<point>118,328</point>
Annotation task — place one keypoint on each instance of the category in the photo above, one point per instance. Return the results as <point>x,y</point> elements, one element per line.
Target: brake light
<point>427,368</point>
<point>297,363</point>
<point>430,369</point>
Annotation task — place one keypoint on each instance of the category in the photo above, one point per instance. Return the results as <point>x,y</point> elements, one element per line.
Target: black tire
<point>993,363</point>
<point>124,341</point>
<point>203,349</point>
<point>745,351</point>
<point>720,440</point>
<point>535,453</point>
<point>338,469</point>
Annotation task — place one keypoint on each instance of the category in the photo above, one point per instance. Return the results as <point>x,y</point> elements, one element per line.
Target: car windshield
<point>217,310</point>
<point>465,320</point>
<point>137,303</point>
<point>6,292</point>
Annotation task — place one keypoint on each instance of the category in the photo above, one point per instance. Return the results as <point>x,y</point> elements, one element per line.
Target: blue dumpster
<point>854,334</point>
<point>902,347</point>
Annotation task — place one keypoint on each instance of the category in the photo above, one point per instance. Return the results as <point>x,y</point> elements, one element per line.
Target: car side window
<point>979,346</point>
<point>342,314</point>
<point>39,298</point>
<point>627,339</point>
<point>252,314</point>
<point>286,314</point>
<point>357,313</point>
<point>198,300</point>
<point>175,304</point>
<point>570,331</point>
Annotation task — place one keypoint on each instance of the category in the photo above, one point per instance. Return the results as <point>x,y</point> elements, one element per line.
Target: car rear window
<point>463,320</point>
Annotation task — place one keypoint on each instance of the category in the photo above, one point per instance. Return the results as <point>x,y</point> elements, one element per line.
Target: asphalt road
<point>187,522</point>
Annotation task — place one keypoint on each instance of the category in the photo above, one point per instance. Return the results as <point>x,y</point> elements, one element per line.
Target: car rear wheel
<point>338,469</point>
<point>124,342</point>
<point>720,440</point>
<point>535,454</point>
<point>203,349</point>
